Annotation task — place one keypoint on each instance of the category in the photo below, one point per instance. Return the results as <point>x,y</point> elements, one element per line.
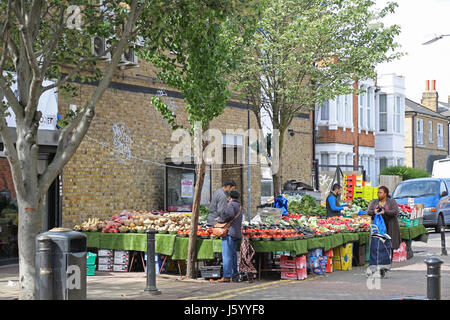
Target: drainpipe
<point>413,139</point>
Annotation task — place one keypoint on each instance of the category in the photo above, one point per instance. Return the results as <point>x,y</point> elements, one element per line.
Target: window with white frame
<point>324,159</point>
<point>440,135</point>
<point>383,113</point>
<point>362,103</point>
<point>430,131</point>
<point>383,163</point>
<point>325,110</point>
<point>369,109</point>
<point>397,119</point>
<point>419,131</point>
<point>340,109</point>
<point>349,160</point>
<point>348,109</point>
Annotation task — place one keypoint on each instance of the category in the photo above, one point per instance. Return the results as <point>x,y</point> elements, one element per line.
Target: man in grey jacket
<point>219,201</point>
<point>230,242</point>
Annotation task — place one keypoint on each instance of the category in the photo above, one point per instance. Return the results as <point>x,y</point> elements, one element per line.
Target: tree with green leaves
<point>309,51</point>
<point>201,47</point>
<point>52,40</point>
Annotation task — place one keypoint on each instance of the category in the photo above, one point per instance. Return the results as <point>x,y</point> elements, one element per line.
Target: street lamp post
<point>435,39</point>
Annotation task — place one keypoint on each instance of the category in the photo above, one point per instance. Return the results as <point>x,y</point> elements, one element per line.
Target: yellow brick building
<point>426,131</point>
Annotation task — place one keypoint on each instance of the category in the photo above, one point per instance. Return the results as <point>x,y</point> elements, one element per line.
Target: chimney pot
<point>433,85</point>
<point>427,85</point>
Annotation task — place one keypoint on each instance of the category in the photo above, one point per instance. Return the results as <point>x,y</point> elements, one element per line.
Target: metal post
<point>433,278</point>
<point>442,224</point>
<point>45,269</point>
<point>151,273</point>
<point>249,179</point>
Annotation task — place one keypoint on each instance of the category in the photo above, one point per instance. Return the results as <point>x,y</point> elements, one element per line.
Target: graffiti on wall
<point>122,142</point>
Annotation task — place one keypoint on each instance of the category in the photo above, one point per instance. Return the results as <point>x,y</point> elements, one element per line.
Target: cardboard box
<point>344,250</point>
<point>301,262</point>
<point>105,267</point>
<point>289,263</point>
<point>302,274</point>
<point>105,252</point>
<point>329,268</point>
<point>121,254</point>
<point>120,268</point>
<point>121,260</point>
<point>288,274</point>
<point>329,253</point>
<point>105,260</point>
<point>342,263</point>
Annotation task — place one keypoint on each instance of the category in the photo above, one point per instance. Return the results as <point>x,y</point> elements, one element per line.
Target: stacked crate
<point>349,186</point>
<point>342,257</point>
<point>293,268</point>
<point>90,263</point>
<point>105,259</point>
<point>121,260</point>
<point>329,267</point>
<point>358,190</point>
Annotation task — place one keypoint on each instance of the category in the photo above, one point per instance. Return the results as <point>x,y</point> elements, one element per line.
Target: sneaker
<point>224,280</point>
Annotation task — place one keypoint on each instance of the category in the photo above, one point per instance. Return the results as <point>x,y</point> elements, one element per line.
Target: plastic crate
<point>410,222</point>
<point>90,270</point>
<point>209,272</point>
<point>90,258</point>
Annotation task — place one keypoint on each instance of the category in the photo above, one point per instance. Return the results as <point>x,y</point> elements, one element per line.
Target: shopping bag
<point>379,222</point>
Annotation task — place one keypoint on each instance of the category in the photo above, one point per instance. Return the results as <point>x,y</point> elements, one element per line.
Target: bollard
<point>151,273</point>
<point>433,278</point>
<point>45,281</point>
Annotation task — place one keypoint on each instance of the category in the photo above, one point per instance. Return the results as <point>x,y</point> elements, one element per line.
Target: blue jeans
<point>229,256</point>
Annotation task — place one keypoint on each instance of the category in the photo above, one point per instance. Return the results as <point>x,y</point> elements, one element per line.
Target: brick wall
<point>346,137</point>
<point>422,152</point>
<point>297,151</point>
<point>6,180</point>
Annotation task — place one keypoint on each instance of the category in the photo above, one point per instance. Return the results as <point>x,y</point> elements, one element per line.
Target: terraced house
<point>426,130</point>
<point>346,129</point>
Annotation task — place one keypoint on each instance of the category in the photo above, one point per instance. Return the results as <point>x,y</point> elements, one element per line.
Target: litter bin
<point>61,265</point>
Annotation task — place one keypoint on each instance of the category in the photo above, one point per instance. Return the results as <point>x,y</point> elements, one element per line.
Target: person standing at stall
<point>388,208</point>
<point>219,201</point>
<point>229,244</point>
<point>333,206</point>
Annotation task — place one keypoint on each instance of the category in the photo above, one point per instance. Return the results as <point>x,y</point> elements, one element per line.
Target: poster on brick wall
<point>187,185</point>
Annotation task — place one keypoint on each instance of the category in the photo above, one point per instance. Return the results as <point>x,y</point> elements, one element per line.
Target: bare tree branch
<point>12,100</point>
<point>52,43</point>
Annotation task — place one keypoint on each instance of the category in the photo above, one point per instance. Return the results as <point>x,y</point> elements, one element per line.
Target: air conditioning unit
<point>99,48</point>
<point>129,58</point>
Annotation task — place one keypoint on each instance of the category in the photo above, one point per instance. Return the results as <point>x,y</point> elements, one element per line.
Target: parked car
<point>433,193</point>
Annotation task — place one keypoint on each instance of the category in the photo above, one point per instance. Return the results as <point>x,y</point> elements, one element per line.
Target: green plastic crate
<point>90,270</point>
<point>410,222</point>
<point>90,258</point>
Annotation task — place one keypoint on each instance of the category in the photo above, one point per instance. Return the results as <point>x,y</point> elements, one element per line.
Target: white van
<point>441,168</point>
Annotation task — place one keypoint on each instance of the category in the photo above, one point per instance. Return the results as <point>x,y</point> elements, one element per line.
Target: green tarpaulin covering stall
<point>177,247</point>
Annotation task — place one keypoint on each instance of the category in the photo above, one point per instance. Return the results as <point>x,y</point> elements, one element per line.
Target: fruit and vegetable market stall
<point>295,233</point>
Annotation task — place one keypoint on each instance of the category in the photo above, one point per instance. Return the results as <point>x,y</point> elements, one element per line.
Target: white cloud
<point>421,20</point>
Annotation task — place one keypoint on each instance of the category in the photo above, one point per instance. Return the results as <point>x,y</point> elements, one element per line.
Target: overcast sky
<point>421,20</point>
